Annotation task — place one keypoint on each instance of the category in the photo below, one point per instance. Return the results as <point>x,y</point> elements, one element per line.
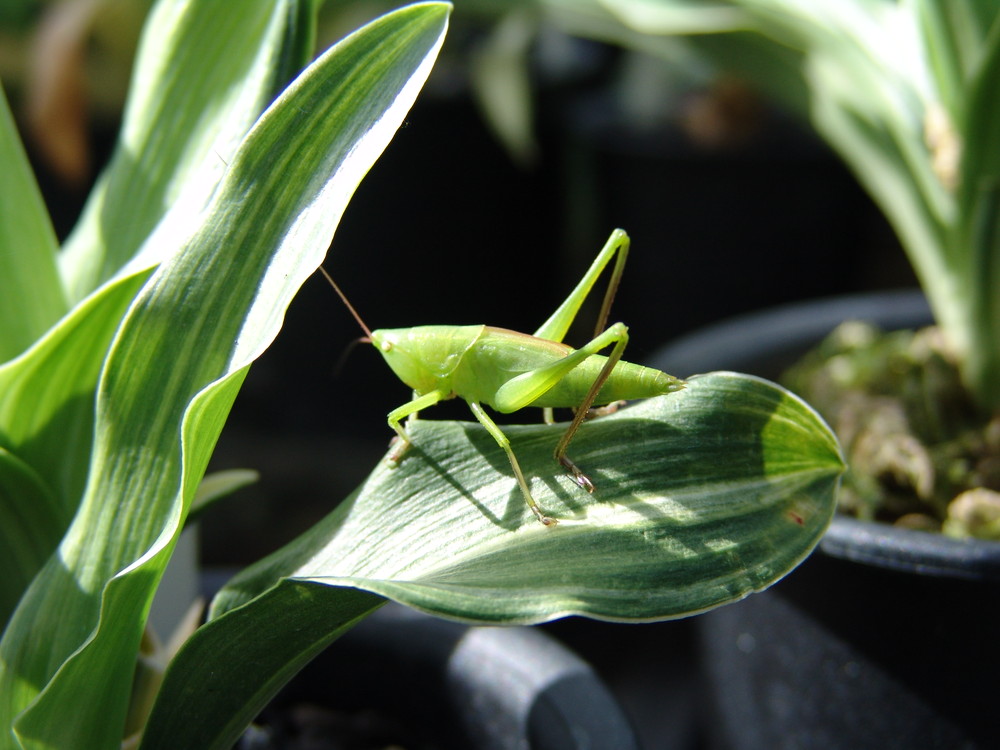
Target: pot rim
<point>909,550</point>
<point>739,344</point>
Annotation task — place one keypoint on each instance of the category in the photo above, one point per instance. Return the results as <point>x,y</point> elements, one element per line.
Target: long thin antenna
<point>350,307</point>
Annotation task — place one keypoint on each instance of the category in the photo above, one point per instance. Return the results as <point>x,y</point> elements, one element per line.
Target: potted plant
<point>826,658</point>
<point>125,349</point>
<point>905,93</point>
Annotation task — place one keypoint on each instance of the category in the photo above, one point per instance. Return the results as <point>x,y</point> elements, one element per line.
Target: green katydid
<point>509,371</point>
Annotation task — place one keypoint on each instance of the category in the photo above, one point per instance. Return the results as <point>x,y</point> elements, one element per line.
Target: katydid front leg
<point>410,409</point>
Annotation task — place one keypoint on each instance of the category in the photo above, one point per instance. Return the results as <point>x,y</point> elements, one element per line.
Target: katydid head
<point>405,357</point>
<point>426,357</point>
<point>400,350</point>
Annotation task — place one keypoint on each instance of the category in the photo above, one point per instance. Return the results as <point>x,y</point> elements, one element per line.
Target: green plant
<point>905,92</point>
<point>125,349</point>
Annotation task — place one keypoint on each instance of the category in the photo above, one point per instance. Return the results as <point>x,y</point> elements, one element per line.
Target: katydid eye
<point>386,346</point>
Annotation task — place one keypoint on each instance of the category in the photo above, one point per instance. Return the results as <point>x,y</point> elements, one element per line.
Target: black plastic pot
<point>883,638</point>
<point>404,678</point>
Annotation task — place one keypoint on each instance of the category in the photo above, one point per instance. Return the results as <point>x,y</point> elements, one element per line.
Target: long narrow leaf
<point>976,255</point>
<point>274,638</point>
<point>46,396</point>
<point>31,296</point>
<point>47,420</point>
<point>177,362</point>
<point>32,525</point>
<point>954,33</point>
<point>205,71</point>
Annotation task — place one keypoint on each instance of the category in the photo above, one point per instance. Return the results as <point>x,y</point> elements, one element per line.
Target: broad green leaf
<point>203,74</point>
<point>703,497</point>
<point>31,296</point>
<point>177,362</point>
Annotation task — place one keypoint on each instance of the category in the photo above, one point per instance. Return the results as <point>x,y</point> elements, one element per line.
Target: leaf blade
<point>976,239</point>
<point>302,620</point>
<point>31,524</point>
<point>31,295</point>
<point>731,457</point>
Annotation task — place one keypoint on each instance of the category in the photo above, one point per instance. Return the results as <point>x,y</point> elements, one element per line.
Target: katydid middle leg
<point>504,442</point>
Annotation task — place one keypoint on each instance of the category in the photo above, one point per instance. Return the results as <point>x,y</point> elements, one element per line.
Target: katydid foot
<point>399,447</point>
<point>578,476</point>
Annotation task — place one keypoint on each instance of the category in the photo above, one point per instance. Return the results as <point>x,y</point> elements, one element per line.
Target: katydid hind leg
<point>524,389</point>
<point>617,334</point>
<point>554,329</point>
<point>504,442</point>
<point>408,411</point>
